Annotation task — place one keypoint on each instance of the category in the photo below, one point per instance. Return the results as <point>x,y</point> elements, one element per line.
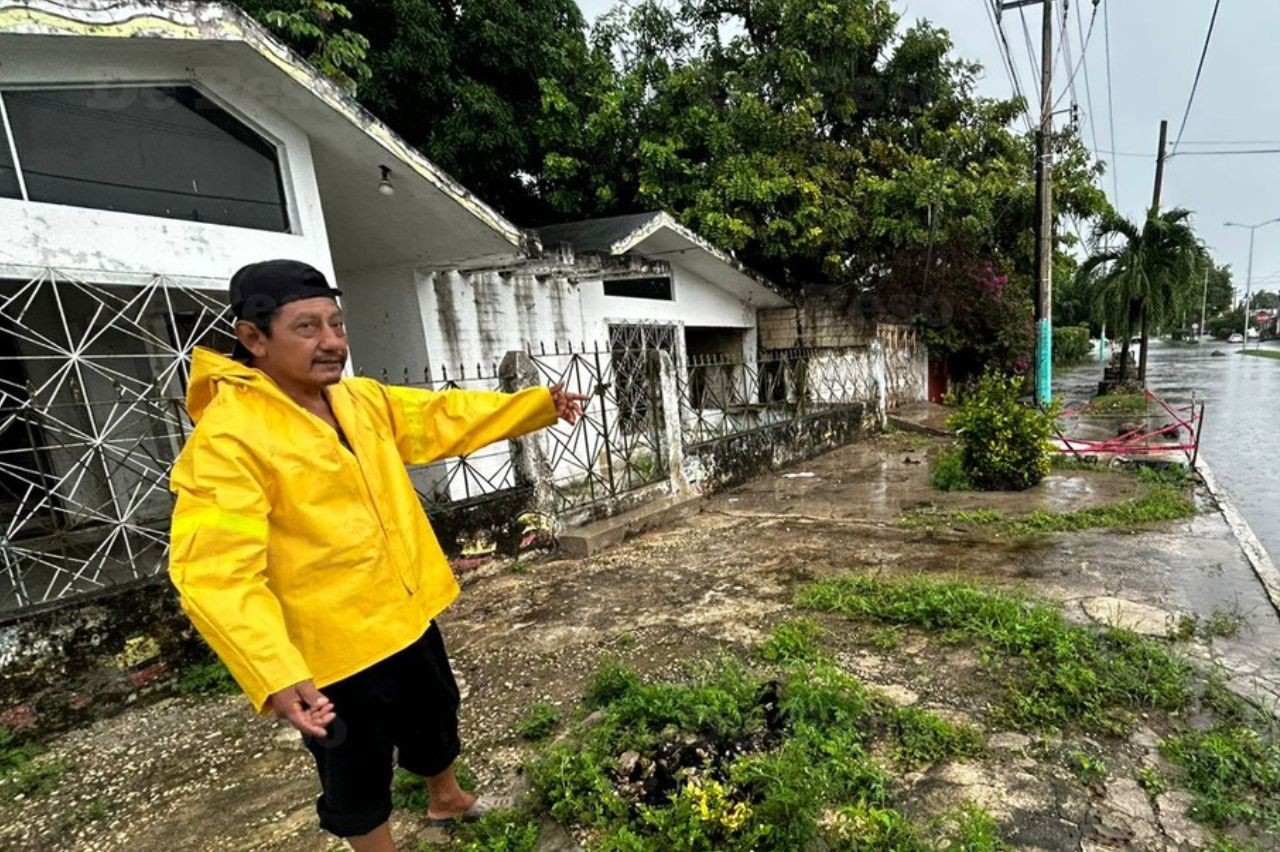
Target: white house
<point>147,150</point>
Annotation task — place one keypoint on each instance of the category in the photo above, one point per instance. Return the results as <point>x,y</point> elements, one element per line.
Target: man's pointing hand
<point>568,405</point>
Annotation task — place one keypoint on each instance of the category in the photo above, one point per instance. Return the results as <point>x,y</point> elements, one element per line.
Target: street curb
<point>1249,543</point>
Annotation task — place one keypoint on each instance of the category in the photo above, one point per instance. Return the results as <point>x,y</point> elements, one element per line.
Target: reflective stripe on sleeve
<point>220,519</point>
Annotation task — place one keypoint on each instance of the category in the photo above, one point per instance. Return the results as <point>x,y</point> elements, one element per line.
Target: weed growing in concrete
<point>541,720</point>
<point>1185,628</point>
<point>1233,770</point>
<point>1134,403</point>
<point>1088,769</point>
<point>948,473</point>
<point>1150,779</point>
<point>970,829</point>
<point>922,738</point>
<point>793,642</point>
<point>1223,624</point>
<point>1054,674</point>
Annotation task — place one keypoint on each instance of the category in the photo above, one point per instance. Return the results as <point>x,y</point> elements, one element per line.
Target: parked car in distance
<point>1236,338</point>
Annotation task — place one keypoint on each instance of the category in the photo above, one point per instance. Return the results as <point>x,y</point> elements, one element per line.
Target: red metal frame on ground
<point>1142,440</point>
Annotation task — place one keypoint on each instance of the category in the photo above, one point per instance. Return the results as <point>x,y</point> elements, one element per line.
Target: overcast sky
<point>1155,47</point>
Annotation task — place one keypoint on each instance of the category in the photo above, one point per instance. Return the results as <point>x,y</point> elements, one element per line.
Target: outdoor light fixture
<point>384,185</point>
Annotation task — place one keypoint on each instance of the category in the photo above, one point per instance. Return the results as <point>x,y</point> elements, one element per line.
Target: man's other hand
<point>304,707</point>
<point>568,405</point>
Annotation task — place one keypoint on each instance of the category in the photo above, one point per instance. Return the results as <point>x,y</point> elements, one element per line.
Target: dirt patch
<point>209,773</point>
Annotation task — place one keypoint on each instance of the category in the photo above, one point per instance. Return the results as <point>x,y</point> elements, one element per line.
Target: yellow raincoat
<point>293,559</point>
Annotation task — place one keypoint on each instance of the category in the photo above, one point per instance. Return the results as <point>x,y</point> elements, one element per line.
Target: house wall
<point>384,326</point>
<point>105,246</point>
<point>814,324</point>
<point>696,301</point>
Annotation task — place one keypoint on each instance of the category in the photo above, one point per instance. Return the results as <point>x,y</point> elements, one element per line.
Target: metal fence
<point>723,396</point>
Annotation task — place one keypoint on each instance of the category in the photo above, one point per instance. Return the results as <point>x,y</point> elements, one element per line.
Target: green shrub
<point>948,473</point>
<point>1071,344</point>
<point>1006,444</point>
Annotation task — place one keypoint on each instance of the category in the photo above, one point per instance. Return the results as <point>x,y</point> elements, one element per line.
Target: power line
<point>1199,69</point>
<point>1084,63</point>
<point>1085,39</point>
<point>1031,51</point>
<point>1006,57</point>
<point>1228,153</point>
<point>1111,113</point>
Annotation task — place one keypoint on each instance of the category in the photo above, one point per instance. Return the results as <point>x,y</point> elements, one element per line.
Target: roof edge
<point>219,21</point>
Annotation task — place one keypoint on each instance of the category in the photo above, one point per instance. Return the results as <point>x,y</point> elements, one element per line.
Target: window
<point>153,150</point>
<point>640,288</point>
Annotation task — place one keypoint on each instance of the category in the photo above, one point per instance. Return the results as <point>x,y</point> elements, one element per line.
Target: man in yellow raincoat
<point>302,554</point>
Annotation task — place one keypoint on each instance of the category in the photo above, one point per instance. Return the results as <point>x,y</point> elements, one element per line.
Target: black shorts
<point>402,708</point>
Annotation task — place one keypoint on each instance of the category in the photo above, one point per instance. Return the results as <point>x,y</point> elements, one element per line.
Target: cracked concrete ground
<point>207,775</point>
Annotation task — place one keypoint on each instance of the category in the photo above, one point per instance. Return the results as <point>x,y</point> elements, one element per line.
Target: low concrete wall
<point>736,459</point>
<point>70,664</point>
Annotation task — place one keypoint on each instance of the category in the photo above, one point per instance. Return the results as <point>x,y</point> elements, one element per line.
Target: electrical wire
<point>1031,55</point>
<point>1199,70</point>
<point>1006,57</point>
<point>1111,113</point>
<point>1084,55</point>
<point>1085,38</point>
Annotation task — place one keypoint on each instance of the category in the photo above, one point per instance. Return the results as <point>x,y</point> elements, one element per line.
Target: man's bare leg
<point>447,799</point>
<point>378,840</point>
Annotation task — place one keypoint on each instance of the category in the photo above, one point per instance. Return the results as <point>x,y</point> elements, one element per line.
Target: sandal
<point>482,806</point>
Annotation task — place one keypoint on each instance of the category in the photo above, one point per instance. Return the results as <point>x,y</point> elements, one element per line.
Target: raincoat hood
<point>209,370</point>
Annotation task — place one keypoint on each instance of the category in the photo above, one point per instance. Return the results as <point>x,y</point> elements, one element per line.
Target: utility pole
<point>1204,304</point>
<point>1044,203</point>
<point>1155,211</point>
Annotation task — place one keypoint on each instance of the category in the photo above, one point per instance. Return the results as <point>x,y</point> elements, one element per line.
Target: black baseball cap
<point>259,289</point>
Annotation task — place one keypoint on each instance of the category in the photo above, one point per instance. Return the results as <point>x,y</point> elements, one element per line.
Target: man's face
<point>307,348</point>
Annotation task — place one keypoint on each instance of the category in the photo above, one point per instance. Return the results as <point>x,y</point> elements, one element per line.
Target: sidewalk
<point>208,773</point>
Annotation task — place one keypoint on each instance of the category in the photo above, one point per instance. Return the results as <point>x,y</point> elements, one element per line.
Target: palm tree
<point>1142,276</point>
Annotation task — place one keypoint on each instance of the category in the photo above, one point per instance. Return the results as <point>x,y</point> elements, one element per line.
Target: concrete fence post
<point>880,376</point>
<point>665,394</point>
<point>529,458</point>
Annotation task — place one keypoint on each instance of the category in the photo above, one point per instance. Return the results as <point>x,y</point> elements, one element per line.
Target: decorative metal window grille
<point>628,344</point>
<point>92,415</point>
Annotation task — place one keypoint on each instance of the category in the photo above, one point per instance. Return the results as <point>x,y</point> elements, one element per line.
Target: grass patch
<point>1223,624</point>
<point>793,642</point>
<point>948,473</point>
<point>1263,353</point>
<point>923,738</point>
<point>730,761</point>
<point>1087,768</point>
<point>1160,503</point>
<point>542,718</point>
<point>1052,674</point>
<point>1233,770</point>
<point>498,831</point>
<point>1129,403</point>
<point>23,772</point>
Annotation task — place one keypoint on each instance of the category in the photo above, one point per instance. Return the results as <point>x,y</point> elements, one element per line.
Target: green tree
<point>1264,300</point>
<point>477,86</point>
<point>1145,277</point>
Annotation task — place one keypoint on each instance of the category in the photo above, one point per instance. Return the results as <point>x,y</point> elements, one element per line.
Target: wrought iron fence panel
<point>905,371</point>
<point>485,472</point>
<point>92,415</point>
<point>722,396</point>
<point>615,447</point>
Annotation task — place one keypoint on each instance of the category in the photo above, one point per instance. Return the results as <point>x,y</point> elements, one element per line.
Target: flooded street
<point>1243,404</point>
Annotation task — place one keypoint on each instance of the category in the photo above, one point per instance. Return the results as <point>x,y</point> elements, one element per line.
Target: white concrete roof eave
<point>213,24</point>
<point>663,238</point>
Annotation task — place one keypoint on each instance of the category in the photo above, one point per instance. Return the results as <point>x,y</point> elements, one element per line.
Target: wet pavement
<point>209,773</point>
<point>1242,412</point>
